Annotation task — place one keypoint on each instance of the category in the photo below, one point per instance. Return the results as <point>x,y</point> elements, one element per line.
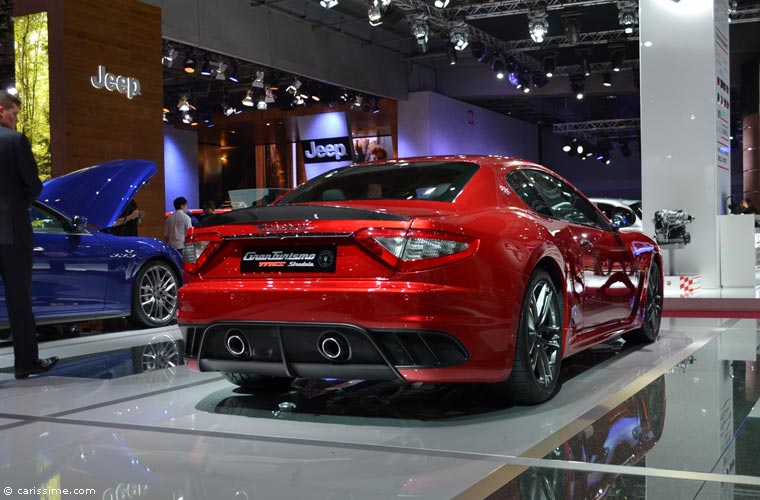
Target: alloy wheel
<point>158,294</point>
<point>543,333</point>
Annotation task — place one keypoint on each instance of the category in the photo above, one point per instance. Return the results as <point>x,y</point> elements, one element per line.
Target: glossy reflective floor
<point>672,420</point>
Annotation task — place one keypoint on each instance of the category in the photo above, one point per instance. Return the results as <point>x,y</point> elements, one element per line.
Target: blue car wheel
<point>154,295</point>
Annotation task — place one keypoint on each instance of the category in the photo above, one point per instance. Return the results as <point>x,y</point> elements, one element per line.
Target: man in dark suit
<point>19,187</point>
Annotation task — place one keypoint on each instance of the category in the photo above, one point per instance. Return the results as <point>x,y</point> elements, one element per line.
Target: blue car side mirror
<point>79,223</point>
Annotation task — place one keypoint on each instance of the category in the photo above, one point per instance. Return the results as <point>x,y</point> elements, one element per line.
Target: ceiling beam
<point>515,7</point>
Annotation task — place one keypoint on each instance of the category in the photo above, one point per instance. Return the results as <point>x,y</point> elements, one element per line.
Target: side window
<point>45,222</point>
<point>562,199</point>
<point>526,190</point>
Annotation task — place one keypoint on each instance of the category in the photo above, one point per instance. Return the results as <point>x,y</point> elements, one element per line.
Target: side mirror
<point>623,218</point>
<point>79,223</point>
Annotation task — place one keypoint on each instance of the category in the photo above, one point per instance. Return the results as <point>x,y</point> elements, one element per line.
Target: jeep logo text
<point>122,84</point>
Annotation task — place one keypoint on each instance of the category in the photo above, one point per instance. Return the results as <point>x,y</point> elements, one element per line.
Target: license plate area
<point>311,259</point>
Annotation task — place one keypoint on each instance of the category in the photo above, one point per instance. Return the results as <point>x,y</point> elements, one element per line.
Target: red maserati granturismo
<point>430,269</point>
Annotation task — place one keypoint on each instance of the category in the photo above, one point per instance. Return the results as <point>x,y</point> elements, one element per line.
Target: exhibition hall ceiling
<point>584,41</point>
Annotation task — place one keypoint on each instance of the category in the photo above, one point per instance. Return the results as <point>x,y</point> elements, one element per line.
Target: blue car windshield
<point>431,181</point>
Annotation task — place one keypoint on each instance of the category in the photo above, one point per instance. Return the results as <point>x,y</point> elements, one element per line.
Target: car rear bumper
<point>413,331</point>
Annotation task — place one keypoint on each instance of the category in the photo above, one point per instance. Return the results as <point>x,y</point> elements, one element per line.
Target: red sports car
<point>430,269</point>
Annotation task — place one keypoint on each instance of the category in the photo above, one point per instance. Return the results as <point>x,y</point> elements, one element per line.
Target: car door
<point>70,269</point>
<point>601,263</point>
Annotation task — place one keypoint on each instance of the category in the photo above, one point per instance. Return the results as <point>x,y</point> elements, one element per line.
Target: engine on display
<point>670,227</point>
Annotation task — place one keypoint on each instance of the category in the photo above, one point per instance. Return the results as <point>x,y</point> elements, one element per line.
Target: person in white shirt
<point>177,224</point>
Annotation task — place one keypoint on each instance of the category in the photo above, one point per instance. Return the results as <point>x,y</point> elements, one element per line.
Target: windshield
<point>431,181</point>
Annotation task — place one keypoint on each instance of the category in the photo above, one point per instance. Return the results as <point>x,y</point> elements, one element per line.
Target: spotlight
<point>258,82</point>
<point>12,90</point>
<point>183,104</point>
<point>570,146</point>
<point>420,29</point>
<point>441,4</point>
<point>187,118</point>
<point>358,101</point>
<point>603,149</point>
<point>581,147</point>
<point>233,77</point>
<point>498,67</point>
<point>607,79</point>
<point>628,16</point>
<point>206,68</point>
<point>328,4</point>
<point>511,65</point>
<point>261,101</point>
<point>479,51</point>
<point>585,66</point>
<point>522,83</point>
<point>268,95</point>
<point>459,36</point>
<point>375,15</point>
<point>625,149</point>
<point>578,88</point>
<point>220,71</point>
<point>298,100</point>
<point>538,26</point>
<point>293,87</point>
<point>550,66</point>
<point>539,80</point>
<point>227,109</point>
<point>451,54</point>
<point>376,107</point>
<point>248,99</point>
<point>190,63</point>
<point>169,56</point>
<point>572,30</point>
<point>617,60</point>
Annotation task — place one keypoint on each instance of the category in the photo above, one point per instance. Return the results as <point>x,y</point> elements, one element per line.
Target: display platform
<point>713,302</point>
<point>671,420</point>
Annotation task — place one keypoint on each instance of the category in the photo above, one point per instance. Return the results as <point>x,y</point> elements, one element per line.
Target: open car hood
<point>100,192</point>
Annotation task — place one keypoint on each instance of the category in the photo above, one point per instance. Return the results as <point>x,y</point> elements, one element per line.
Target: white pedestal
<point>738,251</point>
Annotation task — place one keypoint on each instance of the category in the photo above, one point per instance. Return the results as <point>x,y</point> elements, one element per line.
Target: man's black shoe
<point>40,366</point>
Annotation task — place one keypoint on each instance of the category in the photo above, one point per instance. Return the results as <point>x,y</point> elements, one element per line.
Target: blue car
<point>81,273</point>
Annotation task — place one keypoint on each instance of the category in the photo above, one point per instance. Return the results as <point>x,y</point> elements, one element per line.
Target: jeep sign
<point>122,84</point>
<point>326,150</point>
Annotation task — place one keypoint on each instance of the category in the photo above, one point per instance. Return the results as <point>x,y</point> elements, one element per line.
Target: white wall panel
<point>432,124</point>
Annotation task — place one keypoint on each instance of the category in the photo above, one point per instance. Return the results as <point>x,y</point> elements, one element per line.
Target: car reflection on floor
<point>312,399</point>
<point>622,437</point>
<point>162,353</point>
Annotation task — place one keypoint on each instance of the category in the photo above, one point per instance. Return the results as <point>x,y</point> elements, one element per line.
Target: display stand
<point>682,285</point>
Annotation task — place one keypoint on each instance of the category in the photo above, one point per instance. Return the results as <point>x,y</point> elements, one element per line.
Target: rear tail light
<point>417,249</point>
<point>198,248</point>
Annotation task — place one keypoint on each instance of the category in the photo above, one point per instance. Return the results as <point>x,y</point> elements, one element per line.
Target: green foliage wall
<point>33,84</point>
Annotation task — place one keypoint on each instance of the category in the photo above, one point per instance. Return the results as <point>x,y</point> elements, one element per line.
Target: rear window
<point>432,181</point>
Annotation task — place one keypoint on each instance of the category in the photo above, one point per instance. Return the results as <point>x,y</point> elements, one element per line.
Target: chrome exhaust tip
<point>334,346</point>
<point>236,343</point>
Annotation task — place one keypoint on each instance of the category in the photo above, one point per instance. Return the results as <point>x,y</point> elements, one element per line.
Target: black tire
<point>650,327</point>
<point>154,295</point>
<point>538,353</point>
<point>250,381</point>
